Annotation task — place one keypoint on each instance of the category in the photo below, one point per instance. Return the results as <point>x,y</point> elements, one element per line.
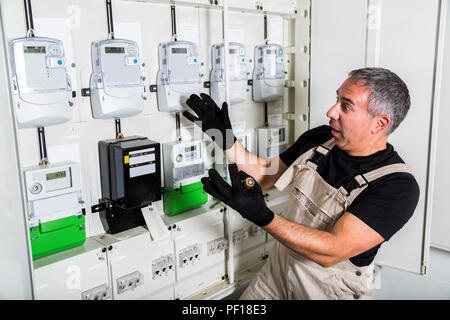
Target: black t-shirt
<point>385,205</point>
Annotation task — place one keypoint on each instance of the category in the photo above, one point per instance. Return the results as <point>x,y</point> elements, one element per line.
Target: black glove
<point>215,122</point>
<point>249,203</point>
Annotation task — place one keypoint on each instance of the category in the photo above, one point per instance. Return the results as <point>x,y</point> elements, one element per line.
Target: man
<point>350,191</point>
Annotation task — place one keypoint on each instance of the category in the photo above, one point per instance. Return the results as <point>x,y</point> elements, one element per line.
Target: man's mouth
<point>334,130</point>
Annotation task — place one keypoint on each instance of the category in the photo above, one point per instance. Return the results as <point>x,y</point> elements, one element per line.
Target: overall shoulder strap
<point>321,152</point>
<point>289,174</point>
<point>362,180</point>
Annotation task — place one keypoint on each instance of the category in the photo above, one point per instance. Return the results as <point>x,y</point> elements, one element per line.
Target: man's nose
<point>333,113</point>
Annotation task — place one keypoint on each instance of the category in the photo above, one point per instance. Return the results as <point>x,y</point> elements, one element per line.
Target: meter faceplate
<point>42,90</point>
<point>238,73</point>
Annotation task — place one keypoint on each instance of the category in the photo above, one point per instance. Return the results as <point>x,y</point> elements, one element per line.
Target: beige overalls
<point>316,204</point>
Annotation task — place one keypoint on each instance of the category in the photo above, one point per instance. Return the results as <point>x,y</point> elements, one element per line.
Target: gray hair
<point>389,94</point>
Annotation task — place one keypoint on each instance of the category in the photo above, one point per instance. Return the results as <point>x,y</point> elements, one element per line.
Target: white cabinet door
<point>440,151</point>
<point>401,37</point>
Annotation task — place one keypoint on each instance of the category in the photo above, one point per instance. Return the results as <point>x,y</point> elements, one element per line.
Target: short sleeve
<point>387,203</point>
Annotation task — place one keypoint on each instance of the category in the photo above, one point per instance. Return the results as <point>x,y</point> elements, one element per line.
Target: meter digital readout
<point>178,76</point>
<point>117,79</point>
<point>237,69</point>
<point>42,89</point>
<point>268,74</point>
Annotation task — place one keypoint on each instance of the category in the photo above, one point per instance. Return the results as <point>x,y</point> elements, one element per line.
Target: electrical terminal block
<point>256,231</point>
<point>239,236</point>
<point>217,245</point>
<point>102,292</point>
<point>129,282</point>
<point>162,266</point>
<point>189,255</point>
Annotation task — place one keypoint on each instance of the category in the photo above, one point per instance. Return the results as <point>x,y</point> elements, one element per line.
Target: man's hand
<point>215,122</point>
<point>249,203</point>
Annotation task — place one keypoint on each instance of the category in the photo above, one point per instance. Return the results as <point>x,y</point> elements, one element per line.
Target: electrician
<point>349,190</point>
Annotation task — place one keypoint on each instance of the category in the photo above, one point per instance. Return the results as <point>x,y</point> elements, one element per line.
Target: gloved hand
<point>249,203</point>
<point>215,122</point>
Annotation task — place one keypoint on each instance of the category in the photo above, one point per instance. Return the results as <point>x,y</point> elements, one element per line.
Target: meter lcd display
<point>114,50</point>
<point>232,51</point>
<point>55,175</point>
<point>34,49</point>
<point>179,50</point>
<point>190,149</point>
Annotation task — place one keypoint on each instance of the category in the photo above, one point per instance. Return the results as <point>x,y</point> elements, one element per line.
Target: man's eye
<point>345,107</point>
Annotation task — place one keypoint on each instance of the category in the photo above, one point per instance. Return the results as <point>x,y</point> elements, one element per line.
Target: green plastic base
<point>58,235</point>
<point>185,198</point>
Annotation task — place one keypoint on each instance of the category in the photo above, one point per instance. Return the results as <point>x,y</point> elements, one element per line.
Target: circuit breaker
<point>42,89</point>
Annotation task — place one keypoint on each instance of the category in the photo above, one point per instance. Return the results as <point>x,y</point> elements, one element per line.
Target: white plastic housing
<point>184,162</point>
<point>272,141</point>
<point>268,74</point>
<point>53,192</point>
<point>178,76</point>
<point>42,90</point>
<point>238,73</point>
<point>117,80</point>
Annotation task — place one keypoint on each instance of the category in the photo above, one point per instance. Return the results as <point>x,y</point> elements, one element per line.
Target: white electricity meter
<point>272,141</point>
<point>178,76</point>
<point>268,74</point>
<point>238,73</point>
<point>117,81</point>
<point>53,192</point>
<point>42,89</point>
<point>184,162</point>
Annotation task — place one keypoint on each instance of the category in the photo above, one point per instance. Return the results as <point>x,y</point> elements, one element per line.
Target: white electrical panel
<point>248,242</point>
<point>42,89</point>
<point>178,76</point>
<point>268,74</point>
<point>237,63</point>
<point>79,273</point>
<point>117,81</point>
<point>53,192</point>
<point>200,249</point>
<point>133,259</point>
<point>185,162</point>
<point>272,141</point>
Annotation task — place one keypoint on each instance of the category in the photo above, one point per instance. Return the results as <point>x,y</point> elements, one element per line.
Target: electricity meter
<point>238,73</point>
<point>272,141</point>
<point>117,81</point>
<point>55,207</point>
<point>178,76</point>
<point>42,89</point>
<point>184,166</point>
<point>130,179</point>
<point>268,75</point>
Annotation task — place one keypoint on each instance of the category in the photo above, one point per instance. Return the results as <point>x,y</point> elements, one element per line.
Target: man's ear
<point>382,123</point>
